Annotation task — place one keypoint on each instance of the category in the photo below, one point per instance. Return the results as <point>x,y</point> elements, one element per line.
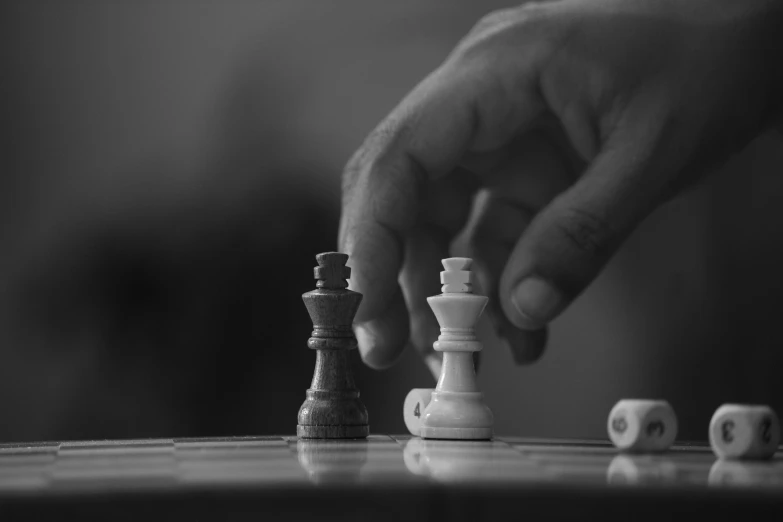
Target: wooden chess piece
<point>332,409</point>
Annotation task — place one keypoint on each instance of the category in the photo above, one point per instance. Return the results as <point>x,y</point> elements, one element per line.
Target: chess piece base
<point>332,409</point>
<point>332,432</point>
<point>457,415</point>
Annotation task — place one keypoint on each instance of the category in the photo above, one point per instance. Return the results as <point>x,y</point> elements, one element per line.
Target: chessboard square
<point>556,444</point>
<point>111,443</point>
<point>18,482</point>
<point>216,463</point>
<point>107,472</point>
<point>222,477</point>
<point>109,484</point>
<point>26,447</point>
<point>109,451</point>
<point>206,443</point>
<point>241,449</point>
<point>25,461</point>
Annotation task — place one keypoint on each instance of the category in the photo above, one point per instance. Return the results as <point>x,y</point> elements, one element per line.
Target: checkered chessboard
<point>257,462</point>
<point>380,478</point>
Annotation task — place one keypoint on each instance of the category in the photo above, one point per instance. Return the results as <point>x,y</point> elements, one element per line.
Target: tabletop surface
<point>557,479</point>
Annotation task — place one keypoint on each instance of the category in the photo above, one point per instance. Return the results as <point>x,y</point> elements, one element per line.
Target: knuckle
<point>394,193</point>
<point>382,177</point>
<point>521,15</point>
<point>521,30</point>
<point>372,147</point>
<point>493,19</point>
<point>488,31</point>
<point>588,233</point>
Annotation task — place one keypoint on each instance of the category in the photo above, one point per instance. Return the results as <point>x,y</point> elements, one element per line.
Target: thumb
<point>571,239</point>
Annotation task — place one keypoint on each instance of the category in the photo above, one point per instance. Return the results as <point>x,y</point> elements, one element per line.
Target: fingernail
<point>536,301</point>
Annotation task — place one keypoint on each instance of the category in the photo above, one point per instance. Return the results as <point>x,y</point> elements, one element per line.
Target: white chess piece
<point>457,409</point>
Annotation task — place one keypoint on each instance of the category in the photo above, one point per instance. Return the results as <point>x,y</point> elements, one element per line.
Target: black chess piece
<point>332,409</point>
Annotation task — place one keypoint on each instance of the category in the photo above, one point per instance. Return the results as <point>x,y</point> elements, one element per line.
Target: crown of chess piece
<point>332,409</point>
<point>457,409</point>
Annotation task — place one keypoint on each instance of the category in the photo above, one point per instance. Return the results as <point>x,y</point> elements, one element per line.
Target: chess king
<point>332,409</point>
<point>457,409</point>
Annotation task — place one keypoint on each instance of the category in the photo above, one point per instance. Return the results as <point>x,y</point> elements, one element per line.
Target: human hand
<point>548,134</point>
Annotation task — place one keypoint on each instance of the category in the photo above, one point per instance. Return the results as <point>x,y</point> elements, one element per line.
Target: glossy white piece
<point>744,431</point>
<point>457,415</point>
<point>642,425</point>
<point>457,409</point>
<point>413,408</point>
<point>457,314</point>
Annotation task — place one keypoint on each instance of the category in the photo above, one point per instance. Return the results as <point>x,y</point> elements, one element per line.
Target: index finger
<point>424,137</point>
<point>478,100</point>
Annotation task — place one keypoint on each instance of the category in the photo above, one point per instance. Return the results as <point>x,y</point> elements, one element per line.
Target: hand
<point>547,135</point>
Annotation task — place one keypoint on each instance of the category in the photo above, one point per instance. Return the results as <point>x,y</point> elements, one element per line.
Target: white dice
<point>642,426</point>
<point>413,408</point>
<point>740,431</point>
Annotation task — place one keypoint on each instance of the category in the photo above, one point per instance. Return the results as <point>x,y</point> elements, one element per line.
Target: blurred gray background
<point>170,169</point>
